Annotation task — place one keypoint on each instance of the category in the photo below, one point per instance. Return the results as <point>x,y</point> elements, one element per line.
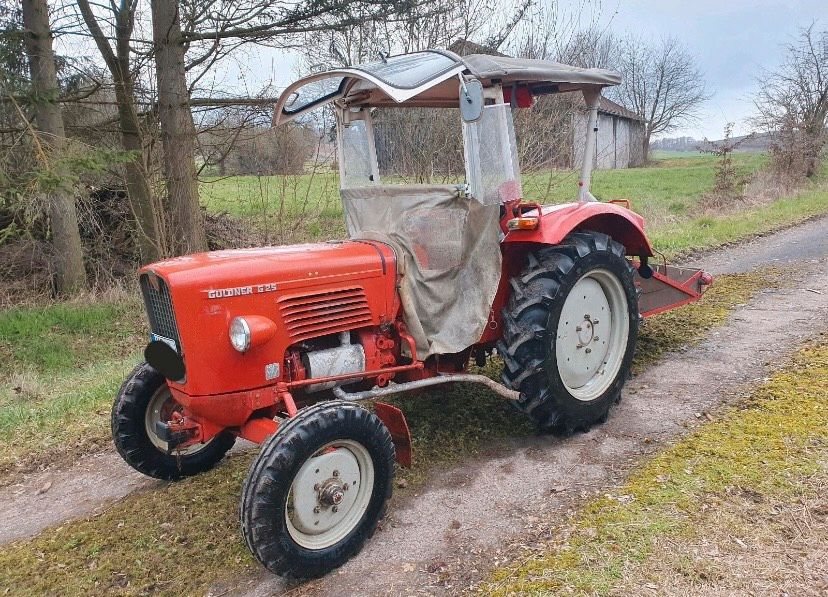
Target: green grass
<point>63,336</point>
<point>60,366</point>
<point>668,194</point>
<point>138,544</point>
<point>772,447</point>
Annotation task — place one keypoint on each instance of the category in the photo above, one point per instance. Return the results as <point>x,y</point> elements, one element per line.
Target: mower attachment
<point>669,287</point>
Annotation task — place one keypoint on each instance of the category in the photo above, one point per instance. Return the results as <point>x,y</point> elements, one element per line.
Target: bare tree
<point>661,83</point>
<point>177,129</point>
<point>119,63</point>
<point>792,103</point>
<point>50,136</point>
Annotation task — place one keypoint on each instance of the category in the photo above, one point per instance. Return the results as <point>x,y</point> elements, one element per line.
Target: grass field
<point>291,208</point>
<point>60,366</point>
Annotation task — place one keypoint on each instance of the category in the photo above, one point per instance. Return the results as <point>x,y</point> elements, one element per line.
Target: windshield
<point>313,93</point>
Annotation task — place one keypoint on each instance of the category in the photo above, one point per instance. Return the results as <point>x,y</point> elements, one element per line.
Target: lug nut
<point>316,510</point>
<point>577,328</point>
<point>345,487</point>
<point>335,508</point>
<point>588,350</point>
<point>336,473</point>
<point>316,486</point>
<point>595,322</point>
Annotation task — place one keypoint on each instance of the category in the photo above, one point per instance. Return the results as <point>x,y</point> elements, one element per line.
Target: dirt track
<point>457,527</point>
<point>458,524</point>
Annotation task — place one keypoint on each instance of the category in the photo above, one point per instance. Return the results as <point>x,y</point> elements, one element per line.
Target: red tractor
<point>278,345</point>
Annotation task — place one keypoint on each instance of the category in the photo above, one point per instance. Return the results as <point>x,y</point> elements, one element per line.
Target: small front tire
<point>143,399</point>
<point>317,490</point>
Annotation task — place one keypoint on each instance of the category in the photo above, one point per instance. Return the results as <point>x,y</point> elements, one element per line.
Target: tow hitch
<point>180,430</point>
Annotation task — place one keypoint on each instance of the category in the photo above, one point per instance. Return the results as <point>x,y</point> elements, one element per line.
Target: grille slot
<point>159,308</point>
<point>321,313</point>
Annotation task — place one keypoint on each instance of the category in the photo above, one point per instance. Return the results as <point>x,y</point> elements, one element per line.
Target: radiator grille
<point>320,313</point>
<point>159,308</point>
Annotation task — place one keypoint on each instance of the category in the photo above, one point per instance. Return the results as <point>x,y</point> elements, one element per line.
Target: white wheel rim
<point>154,414</point>
<point>330,494</point>
<point>592,335</point>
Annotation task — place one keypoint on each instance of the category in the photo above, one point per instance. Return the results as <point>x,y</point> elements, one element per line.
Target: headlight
<point>251,331</point>
<point>240,334</point>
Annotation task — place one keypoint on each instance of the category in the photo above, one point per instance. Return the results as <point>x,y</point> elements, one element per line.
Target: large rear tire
<point>143,399</point>
<point>570,330</point>
<point>317,489</point>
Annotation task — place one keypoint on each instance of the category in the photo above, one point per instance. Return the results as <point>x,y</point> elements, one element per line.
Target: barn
<point>620,139</point>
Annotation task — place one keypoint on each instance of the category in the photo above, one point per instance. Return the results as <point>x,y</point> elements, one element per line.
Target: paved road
<point>793,247</point>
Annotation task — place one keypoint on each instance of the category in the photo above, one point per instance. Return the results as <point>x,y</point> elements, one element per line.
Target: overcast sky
<point>732,40</point>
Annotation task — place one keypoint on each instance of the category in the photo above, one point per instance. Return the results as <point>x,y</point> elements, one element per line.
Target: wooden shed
<point>620,139</point>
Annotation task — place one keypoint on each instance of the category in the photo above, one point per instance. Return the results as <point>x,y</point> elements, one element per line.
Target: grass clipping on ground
<point>141,543</point>
<point>678,518</point>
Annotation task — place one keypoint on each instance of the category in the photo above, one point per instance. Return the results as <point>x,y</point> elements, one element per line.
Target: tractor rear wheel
<point>570,329</point>
<point>317,489</point>
<point>143,400</point>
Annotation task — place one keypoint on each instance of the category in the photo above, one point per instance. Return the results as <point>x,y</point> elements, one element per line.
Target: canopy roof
<point>429,78</point>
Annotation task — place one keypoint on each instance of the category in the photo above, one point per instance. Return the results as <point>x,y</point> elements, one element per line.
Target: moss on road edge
<point>771,447</point>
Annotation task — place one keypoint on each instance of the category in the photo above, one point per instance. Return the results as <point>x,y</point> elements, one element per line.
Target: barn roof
<point>607,106</point>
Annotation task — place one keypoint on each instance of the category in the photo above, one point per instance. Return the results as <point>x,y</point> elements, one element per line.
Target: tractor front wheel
<point>317,490</point>
<point>143,400</point>
<point>570,330</point>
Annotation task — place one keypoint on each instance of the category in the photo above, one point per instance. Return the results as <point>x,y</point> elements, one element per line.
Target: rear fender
<point>557,221</point>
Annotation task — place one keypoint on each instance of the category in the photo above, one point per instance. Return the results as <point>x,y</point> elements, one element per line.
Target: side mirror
<point>471,100</point>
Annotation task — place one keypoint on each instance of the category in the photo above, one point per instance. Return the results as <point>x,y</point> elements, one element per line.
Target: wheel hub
<point>585,331</point>
<point>331,493</point>
<point>324,491</point>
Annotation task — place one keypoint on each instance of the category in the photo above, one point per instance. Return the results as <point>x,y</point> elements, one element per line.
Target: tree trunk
<point>149,238</point>
<point>150,242</point>
<point>70,275</point>
<point>645,149</point>
<point>177,129</point>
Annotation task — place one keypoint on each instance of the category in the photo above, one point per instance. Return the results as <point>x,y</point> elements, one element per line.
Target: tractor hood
<point>287,267</point>
<point>307,291</point>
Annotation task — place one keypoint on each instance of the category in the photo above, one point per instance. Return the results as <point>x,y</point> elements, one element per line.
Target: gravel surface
<point>448,536</point>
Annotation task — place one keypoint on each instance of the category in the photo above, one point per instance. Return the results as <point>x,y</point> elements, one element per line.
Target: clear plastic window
<point>312,93</point>
<point>492,169</point>
<point>410,70</point>
<point>356,161</point>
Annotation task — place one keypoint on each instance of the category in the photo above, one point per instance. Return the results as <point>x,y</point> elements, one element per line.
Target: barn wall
<point>622,142</point>
<point>618,145</point>
<point>605,154</point>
